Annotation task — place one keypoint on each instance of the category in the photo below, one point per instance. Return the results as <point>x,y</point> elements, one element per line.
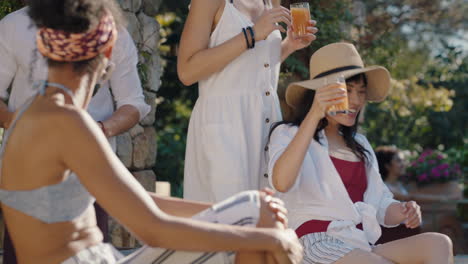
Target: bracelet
<point>252,34</point>
<point>246,38</point>
<point>103,128</point>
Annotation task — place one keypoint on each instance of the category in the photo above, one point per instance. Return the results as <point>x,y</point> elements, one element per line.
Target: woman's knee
<point>359,256</point>
<point>438,243</point>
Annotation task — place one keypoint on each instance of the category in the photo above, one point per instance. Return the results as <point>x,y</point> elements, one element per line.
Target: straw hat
<point>338,59</point>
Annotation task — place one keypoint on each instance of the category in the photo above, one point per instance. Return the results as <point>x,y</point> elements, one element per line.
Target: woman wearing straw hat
<point>328,173</point>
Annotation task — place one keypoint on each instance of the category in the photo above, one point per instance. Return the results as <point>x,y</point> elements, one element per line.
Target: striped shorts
<point>242,209</point>
<point>320,248</point>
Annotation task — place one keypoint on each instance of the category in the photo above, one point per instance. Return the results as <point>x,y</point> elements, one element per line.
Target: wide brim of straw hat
<point>378,84</point>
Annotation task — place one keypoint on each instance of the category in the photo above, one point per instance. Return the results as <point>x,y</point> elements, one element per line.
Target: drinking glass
<point>340,108</point>
<point>300,14</point>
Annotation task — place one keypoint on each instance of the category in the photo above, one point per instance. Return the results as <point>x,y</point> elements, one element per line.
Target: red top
<point>353,175</point>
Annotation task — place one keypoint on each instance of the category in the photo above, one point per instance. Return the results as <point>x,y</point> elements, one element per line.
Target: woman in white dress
<point>234,49</point>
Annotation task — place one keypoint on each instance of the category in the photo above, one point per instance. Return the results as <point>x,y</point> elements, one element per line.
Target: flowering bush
<point>432,167</point>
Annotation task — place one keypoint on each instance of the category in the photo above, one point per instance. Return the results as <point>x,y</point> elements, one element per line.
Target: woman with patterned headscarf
<point>48,209</point>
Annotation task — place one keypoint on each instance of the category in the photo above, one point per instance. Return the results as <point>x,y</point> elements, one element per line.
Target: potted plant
<point>433,172</point>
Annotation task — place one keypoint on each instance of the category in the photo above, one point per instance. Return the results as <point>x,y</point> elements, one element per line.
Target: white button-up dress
<point>230,122</point>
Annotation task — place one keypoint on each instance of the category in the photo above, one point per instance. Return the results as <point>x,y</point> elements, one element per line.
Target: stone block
<point>150,160</point>
<point>130,5</point>
<point>151,7</point>
<point>155,73</point>
<point>150,99</point>
<point>125,149</point>
<point>147,179</point>
<point>144,149</point>
<point>133,26</point>
<point>136,130</point>
<point>120,237</point>
<point>149,30</point>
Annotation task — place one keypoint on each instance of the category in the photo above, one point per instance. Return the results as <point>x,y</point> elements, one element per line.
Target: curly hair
<point>74,16</point>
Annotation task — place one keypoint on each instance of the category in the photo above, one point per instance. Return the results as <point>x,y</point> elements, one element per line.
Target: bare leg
<point>267,220</point>
<point>359,256</point>
<point>427,248</point>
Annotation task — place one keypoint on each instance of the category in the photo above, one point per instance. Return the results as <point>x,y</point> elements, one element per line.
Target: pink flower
<point>443,166</point>
<point>435,173</point>
<point>446,173</point>
<point>422,177</point>
<point>440,157</point>
<point>426,153</point>
<point>432,162</point>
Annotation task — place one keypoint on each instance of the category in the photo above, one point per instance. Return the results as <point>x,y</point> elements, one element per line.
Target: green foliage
<point>175,102</point>
<point>428,110</point>
<point>8,6</point>
<point>334,21</point>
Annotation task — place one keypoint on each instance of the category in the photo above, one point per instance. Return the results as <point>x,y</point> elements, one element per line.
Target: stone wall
<point>137,147</point>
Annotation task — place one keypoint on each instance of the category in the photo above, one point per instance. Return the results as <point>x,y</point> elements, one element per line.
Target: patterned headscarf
<point>63,46</point>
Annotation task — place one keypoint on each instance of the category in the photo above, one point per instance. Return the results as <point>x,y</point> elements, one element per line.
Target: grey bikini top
<point>60,202</point>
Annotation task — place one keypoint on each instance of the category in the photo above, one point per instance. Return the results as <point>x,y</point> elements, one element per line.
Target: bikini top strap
<point>45,84</point>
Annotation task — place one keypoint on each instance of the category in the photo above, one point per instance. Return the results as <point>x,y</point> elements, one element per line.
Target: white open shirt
<point>319,192</point>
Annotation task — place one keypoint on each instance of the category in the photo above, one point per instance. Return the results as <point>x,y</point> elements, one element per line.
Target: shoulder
<point>70,121</point>
<point>283,132</point>
<point>19,17</point>
<point>361,139</point>
<point>207,3</point>
<point>124,38</point>
<point>124,48</point>
<point>207,6</point>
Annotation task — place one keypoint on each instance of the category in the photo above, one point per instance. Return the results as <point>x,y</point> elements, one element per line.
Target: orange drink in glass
<point>341,108</point>
<point>300,14</point>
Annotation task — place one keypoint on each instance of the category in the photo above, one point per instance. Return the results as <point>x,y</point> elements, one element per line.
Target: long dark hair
<point>385,155</point>
<point>301,110</point>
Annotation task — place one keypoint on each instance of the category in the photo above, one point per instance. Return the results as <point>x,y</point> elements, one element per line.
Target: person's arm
<point>293,43</point>
<point>7,69</point>
<point>126,88</point>
<point>196,61</point>
<point>288,165</point>
<point>89,154</point>
<point>126,117</point>
<point>179,207</point>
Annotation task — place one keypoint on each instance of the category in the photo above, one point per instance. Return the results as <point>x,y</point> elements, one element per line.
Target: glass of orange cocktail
<point>340,108</point>
<point>300,14</point>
